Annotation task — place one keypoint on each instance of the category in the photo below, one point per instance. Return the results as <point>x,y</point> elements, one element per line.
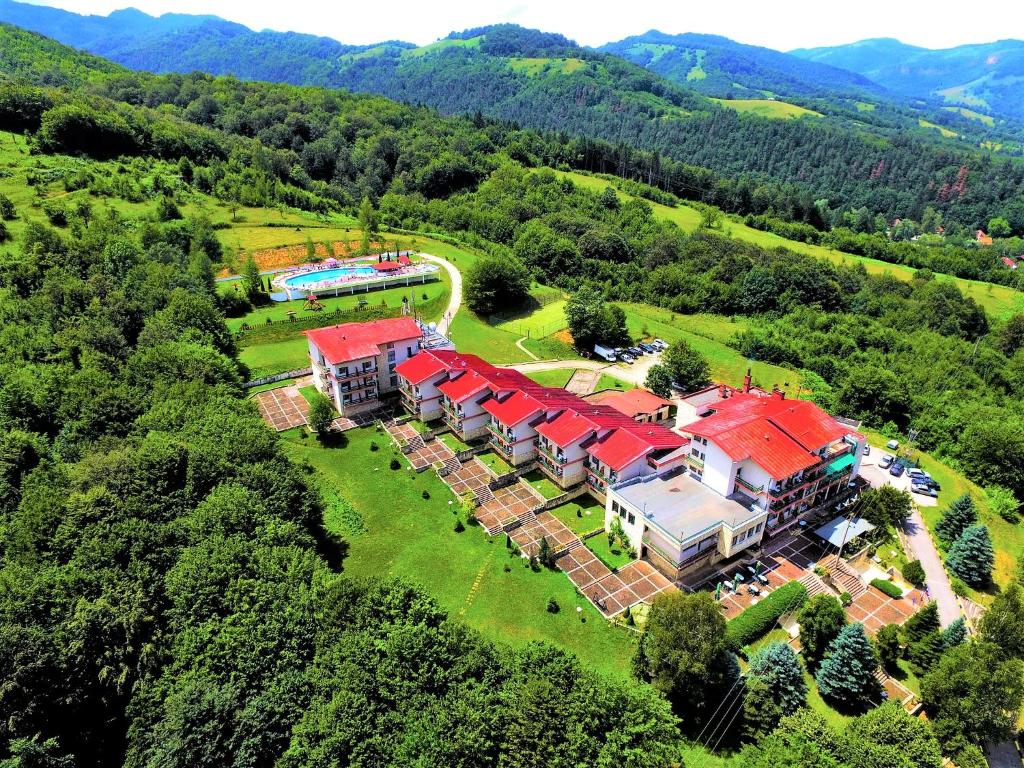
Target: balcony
<point>499,433</point>
<point>356,374</point>
<point>558,458</point>
<point>694,462</point>
<point>754,489</point>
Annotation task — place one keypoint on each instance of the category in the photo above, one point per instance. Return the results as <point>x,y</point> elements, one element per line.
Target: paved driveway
<point>939,588</point>
<point>878,476</point>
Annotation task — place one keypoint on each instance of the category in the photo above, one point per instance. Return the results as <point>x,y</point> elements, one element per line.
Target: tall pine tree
<point>960,514</point>
<point>846,677</point>
<point>971,556</point>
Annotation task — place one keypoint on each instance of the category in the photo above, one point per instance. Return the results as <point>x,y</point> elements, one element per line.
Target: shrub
<point>4,234</point>
<point>508,568</point>
<point>846,598</point>
<point>759,618</point>
<point>886,586</point>
<point>553,606</point>
<point>913,572</point>
<point>395,463</point>
<point>425,494</point>
<point>374,447</point>
<point>459,527</point>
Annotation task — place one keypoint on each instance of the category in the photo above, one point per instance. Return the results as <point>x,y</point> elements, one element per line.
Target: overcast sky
<point>782,24</point>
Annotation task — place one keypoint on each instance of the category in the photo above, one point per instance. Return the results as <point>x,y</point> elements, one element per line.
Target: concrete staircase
<point>847,580</point>
<point>814,584</point>
<point>483,495</point>
<point>449,466</point>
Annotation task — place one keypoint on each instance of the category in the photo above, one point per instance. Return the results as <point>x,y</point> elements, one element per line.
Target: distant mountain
<point>718,66</point>
<point>987,77</point>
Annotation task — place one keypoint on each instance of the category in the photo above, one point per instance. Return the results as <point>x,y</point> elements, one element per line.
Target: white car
<point>886,460</point>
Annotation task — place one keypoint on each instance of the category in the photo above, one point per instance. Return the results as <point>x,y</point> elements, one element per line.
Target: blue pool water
<point>317,278</point>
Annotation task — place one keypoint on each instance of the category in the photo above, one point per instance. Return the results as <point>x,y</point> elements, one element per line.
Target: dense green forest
<point>169,595</point>
<point>879,159</point>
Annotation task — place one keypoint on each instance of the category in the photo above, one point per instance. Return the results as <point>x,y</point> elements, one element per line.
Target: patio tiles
<point>432,453</point>
<point>283,408</point>
<point>582,567</point>
<point>546,525</point>
<point>469,479</point>
<point>508,504</point>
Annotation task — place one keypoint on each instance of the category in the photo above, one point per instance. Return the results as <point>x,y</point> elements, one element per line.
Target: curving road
<point>939,588</point>
<point>455,300</point>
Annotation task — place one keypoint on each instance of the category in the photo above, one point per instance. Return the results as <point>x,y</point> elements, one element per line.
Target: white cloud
<point>784,24</point>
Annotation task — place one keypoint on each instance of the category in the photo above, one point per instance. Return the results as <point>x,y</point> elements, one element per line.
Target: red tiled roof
<point>386,266</point>
<point>567,428</point>
<point>619,449</point>
<point>404,260</point>
<point>421,367</point>
<point>632,403</point>
<point>463,387</point>
<point>514,408</point>
<point>779,435</point>
<point>352,341</point>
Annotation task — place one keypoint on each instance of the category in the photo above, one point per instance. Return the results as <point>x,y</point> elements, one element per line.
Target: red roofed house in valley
<point>639,404</point>
<point>354,363</point>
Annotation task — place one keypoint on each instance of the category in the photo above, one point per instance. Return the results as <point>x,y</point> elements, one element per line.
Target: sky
<point>781,24</point>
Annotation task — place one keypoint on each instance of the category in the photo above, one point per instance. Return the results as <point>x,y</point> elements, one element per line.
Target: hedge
<point>886,586</point>
<point>758,619</point>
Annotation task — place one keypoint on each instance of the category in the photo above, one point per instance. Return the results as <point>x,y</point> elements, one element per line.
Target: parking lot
<point>879,476</point>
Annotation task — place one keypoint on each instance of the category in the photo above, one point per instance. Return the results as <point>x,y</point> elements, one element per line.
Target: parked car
<point>660,344</point>
<point>893,445</point>
<point>635,351</point>
<point>867,449</point>
<point>917,472</point>
<point>626,357</point>
<point>886,460</point>
<point>924,489</point>
<point>897,469</point>
<point>648,348</point>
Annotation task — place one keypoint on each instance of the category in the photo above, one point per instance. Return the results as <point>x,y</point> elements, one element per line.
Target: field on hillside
<point>781,110</point>
<point>412,537</point>
<point>998,300</point>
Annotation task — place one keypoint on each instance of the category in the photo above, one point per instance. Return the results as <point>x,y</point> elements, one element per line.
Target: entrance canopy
<point>842,530</point>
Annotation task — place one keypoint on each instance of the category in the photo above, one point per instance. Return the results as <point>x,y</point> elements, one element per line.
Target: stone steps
<point>814,584</point>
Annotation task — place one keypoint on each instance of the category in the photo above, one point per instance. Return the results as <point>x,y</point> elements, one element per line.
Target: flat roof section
<point>682,506</point>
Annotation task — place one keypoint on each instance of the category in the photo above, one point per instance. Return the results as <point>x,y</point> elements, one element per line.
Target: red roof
<point>513,409</point>
<point>566,428</point>
<point>386,266</point>
<point>619,449</point>
<point>778,435</point>
<point>352,341</point>
<point>633,403</point>
<point>421,367</point>
<point>404,260</point>
<point>464,387</point>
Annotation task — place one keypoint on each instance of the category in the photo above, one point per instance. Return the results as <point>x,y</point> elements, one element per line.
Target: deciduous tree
<point>821,620</point>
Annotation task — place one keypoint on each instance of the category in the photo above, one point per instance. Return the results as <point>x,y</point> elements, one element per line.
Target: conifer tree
<point>960,514</point>
<point>778,666</point>
<point>955,633</point>
<point>846,677</point>
<point>971,556</point>
<point>921,623</point>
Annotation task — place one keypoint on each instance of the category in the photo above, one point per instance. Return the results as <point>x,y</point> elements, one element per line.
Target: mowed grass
<point>780,110</point>
<point>932,126</point>
<point>707,335</point>
<point>413,538</point>
<point>558,377</point>
<point>583,514</point>
<point>997,300</point>
<point>543,321</point>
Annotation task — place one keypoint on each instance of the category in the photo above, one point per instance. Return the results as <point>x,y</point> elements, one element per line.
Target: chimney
<point>746,382</point>
<point>721,391</point>
<point>777,393</point>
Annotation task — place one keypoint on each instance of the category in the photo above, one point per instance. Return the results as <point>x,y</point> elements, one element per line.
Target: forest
<point>169,594</point>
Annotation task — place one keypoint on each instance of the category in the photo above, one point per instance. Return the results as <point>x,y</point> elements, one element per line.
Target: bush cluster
<point>759,618</point>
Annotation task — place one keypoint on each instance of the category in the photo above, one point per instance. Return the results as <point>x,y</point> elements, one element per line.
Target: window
<point>408,351</point>
<point>346,398</point>
<point>366,365</point>
<point>615,507</point>
<point>394,381</point>
<point>391,356</point>
<point>631,518</point>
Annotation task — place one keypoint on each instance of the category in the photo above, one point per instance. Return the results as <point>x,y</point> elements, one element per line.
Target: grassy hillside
<point>770,108</point>
<point>999,301</point>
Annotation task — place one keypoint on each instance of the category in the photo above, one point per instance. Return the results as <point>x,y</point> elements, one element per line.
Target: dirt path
<point>633,374</point>
<point>455,300</point>
<point>583,382</point>
<point>525,351</point>
<point>936,578</point>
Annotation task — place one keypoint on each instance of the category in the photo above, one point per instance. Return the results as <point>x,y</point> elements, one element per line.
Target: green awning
<point>841,463</point>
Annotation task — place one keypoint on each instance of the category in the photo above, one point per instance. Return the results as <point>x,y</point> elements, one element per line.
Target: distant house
<point>981,238</point>
<point>639,404</point>
<point>1010,263</point>
<point>354,363</point>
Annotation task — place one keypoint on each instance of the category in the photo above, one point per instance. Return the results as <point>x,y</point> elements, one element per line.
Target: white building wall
<point>392,355</point>
<point>719,470</point>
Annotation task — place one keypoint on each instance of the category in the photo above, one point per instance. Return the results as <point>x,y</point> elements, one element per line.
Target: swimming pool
<point>322,277</point>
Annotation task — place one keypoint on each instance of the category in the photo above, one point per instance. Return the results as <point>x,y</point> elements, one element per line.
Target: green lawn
<point>552,348</point>
<point>767,108</point>
<point>583,514</point>
<point>275,357</point>
<point>473,336</point>
<point>836,719</point>
<point>309,392</point>
<point>705,335</point>
<point>614,556</point>
<point>495,463</point>
<point>543,321</point>
<point>412,538</point>
<point>608,381</point>
<point>542,484</point>
<point>559,377</point>
<point>271,385</point>
<point>998,300</point>
<point>452,441</point>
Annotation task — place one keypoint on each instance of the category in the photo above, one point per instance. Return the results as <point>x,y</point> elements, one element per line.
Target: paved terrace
<point>509,504</point>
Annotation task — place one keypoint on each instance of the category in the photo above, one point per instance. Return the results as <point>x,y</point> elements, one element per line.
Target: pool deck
<point>417,273</point>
